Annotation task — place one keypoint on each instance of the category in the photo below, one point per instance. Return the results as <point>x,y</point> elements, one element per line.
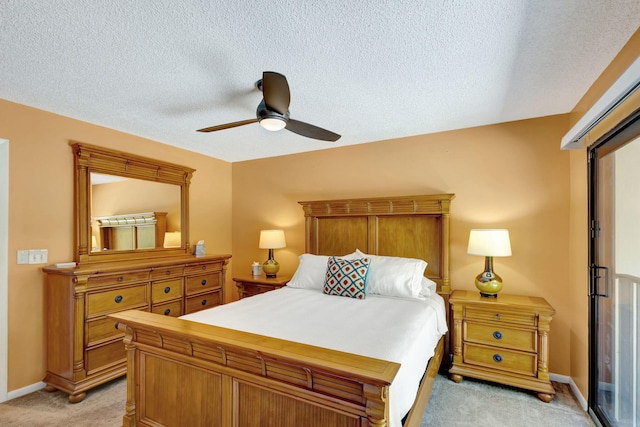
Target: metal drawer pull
<point>204,302</point>
<point>167,289</point>
<point>497,358</point>
<point>118,299</point>
<point>167,311</point>
<point>120,279</point>
<point>168,272</point>
<point>204,282</point>
<point>498,316</point>
<point>497,335</point>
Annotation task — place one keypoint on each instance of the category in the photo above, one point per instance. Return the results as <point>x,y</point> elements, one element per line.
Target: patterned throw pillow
<point>347,278</point>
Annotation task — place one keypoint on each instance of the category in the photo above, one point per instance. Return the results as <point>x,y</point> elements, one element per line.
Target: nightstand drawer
<point>205,282</point>
<point>500,358</point>
<point>254,285</point>
<point>250,289</point>
<point>497,315</point>
<point>166,290</point>
<point>498,335</point>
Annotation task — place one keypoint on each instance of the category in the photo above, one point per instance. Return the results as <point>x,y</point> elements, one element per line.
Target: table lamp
<point>172,239</point>
<point>271,239</point>
<point>489,243</point>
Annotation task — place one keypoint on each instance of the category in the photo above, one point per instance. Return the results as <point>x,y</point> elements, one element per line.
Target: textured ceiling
<point>367,70</point>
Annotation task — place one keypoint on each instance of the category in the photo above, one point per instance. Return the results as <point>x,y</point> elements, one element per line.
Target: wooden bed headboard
<point>406,226</point>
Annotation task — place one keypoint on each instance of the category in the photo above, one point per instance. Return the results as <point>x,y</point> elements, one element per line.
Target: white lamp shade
<point>489,242</point>
<point>272,239</point>
<point>172,239</point>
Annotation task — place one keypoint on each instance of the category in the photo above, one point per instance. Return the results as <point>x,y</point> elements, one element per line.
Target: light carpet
<point>478,404</point>
<point>470,403</point>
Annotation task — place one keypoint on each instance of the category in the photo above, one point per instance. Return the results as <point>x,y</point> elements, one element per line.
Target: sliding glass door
<point>614,342</point>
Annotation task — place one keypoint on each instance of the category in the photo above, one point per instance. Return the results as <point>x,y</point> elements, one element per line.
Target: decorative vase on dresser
<point>503,339</point>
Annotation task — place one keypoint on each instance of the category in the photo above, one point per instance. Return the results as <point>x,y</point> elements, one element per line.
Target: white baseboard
<point>574,388</point>
<point>25,390</point>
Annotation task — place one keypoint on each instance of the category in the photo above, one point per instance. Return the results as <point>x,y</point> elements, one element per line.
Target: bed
<point>188,372</point>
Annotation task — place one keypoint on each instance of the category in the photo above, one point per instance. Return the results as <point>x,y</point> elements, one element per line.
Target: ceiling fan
<point>273,111</point>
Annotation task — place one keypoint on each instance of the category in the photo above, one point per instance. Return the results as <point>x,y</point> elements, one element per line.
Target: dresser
<point>253,285</point>
<point>503,339</point>
<point>84,349</point>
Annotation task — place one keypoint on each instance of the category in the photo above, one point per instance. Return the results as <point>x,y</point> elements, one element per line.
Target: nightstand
<point>503,339</point>
<point>253,285</point>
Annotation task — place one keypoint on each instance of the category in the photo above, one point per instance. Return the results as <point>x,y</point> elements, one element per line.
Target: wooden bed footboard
<point>185,373</point>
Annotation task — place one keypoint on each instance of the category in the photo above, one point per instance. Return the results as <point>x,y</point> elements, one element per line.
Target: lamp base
<point>488,282</point>
<point>483,295</point>
<point>270,268</point>
<point>488,287</point>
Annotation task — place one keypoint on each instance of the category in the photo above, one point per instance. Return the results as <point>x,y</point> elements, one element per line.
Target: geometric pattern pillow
<point>347,278</point>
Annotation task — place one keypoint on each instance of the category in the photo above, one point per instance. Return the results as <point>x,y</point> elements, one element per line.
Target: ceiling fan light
<point>272,123</point>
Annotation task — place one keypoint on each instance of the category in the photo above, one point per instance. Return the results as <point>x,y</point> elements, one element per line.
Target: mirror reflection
<point>128,214</point>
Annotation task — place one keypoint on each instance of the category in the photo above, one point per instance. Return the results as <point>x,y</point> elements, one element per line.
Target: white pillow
<point>311,271</point>
<point>428,287</point>
<point>395,276</point>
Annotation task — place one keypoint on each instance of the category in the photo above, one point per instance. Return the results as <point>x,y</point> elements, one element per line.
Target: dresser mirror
<point>128,206</point>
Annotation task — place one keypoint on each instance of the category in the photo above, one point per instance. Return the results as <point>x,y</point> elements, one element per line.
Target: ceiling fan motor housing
<point>264,112</point>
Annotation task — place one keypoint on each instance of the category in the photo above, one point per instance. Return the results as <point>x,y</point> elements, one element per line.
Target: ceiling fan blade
<point>311,131</point>
<point>228,125</point>
<point>275,91</point>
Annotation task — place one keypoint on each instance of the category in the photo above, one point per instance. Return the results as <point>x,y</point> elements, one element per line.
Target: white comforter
<point>399,330</point>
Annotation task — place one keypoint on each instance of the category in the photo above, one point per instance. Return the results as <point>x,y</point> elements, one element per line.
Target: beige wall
<point>509,175</point>
<point>41,212</point>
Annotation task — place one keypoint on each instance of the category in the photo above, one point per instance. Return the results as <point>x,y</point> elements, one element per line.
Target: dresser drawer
<point>103,356</point>
<point>101,329</point>
<point>118,279</point>
<point>116,300</point>
<point>202,283</point>
<point>500,358</point>
<point>520,318</point>
<point>167,272</point>
<point>168,309</point>
<point>201,302</point>
<point>202,268</point>
<point>497,334</point>
<point>166,290</point>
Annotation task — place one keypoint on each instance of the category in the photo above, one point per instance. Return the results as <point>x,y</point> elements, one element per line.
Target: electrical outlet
<point>23,257</point>
<point>38,256</point>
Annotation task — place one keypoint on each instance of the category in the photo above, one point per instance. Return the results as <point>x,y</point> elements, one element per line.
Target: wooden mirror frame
<point>88,159</point>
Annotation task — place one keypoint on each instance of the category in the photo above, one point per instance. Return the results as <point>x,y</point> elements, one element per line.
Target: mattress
<point>405,331</point>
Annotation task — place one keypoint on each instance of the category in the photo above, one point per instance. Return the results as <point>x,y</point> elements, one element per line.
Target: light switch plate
<point>38,256</point>
<point>23,257</point>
